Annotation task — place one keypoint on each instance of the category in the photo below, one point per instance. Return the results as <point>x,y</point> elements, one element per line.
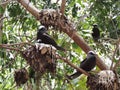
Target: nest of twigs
<point>104,80</point>
<point>21,76</point>
<point>51,17</point>
<point>41,57</point>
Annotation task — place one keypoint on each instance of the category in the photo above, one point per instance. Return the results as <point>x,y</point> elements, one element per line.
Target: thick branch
<point>77,39</point>
<point>33,10</point>
<point>72,65</point>
<point>62,8</point>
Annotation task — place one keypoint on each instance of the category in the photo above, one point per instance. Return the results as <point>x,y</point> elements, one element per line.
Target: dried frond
<point>104,80</point>
<point>51,17</point>
<point>41,57</point>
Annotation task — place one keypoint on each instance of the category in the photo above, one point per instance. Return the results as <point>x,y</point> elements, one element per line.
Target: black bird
<point>44,37</point>
<point>87,64</point>
<point>95,32</point>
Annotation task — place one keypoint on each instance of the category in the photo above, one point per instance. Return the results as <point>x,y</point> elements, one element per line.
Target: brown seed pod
<point>21,76</point>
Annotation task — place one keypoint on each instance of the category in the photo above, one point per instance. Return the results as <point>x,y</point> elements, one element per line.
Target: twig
<point>2,18</point>
<point>117,45</point>
<point>62,8</point>
<point>34,11</point>
<point>4,3</point>
<point>68,81</point>
<point>57,1</point>
<point>8,46</point>
<point>117,63</point>
<point>15,49</point>
<point>108,40</point>
<point>17,44</point>
<point>72,65</point>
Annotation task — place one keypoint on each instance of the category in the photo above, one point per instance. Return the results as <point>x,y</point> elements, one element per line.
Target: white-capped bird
<point>87,64</point>
<point>44,37</point>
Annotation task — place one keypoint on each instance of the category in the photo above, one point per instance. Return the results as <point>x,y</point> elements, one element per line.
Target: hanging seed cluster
<point>41,57</point>
<point>21,76</point>
<point>104,80</point>
<point>51,17</point>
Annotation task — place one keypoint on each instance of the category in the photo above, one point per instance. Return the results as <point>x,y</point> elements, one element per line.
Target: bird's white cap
<point>41,26</point>
<point>91,52</point>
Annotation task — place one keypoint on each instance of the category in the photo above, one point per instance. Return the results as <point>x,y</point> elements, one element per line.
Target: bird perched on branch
<point>95,32</point>
<point>44,37</point>
<point>87,64</point>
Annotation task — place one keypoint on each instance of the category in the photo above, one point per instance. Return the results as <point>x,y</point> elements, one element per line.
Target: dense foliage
<point>20,26</point>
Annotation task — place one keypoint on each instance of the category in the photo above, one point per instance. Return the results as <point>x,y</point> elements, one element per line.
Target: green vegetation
<point>20,26</point>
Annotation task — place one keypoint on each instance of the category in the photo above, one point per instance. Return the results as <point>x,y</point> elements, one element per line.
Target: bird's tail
<point>75,75</point>
<point>60,48</point>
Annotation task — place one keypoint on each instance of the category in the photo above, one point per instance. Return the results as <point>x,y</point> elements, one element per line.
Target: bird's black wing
<point>77,73</point>
<point>87,64</point>
<point>48,40</point>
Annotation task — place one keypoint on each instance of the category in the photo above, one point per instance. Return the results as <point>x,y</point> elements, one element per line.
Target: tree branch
<point>15,49</point>
<point>33,10</point>
<point>4,3</point>
<point>118,62</point>
<point>62,8</point>
<point>2,18</point>
<point>72,65</point>
<point>115,51</point>
<point>77,39</point>
<point>9,46</point>
<point>18,44</point>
